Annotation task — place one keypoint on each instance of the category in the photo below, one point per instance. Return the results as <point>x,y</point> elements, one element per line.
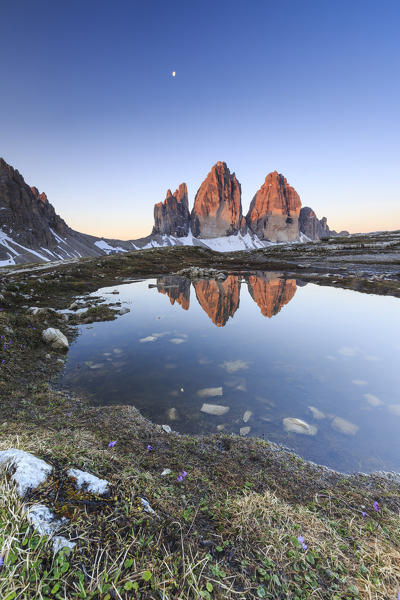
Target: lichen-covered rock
<point>55,338</point>
<point>172,216</point>
<point>274,211</point>
<point>28,471</point>
<point>217,207</point>
<point>89,482</point>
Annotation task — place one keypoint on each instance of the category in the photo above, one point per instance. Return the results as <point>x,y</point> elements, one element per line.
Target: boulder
<point>55,338</point>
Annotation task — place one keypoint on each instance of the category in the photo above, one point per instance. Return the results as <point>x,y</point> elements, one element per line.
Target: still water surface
<point>264,348</point>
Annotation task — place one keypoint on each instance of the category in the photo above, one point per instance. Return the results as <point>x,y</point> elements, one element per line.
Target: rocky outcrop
<point>270,292</point>
<point>177,289</point>
<point>311,226</point>
<point>219,299</point>
<point>274,210</point>
<point>172,216</point>
<point>217,207</point>
<point>25,213</point>
<point>314,228</point>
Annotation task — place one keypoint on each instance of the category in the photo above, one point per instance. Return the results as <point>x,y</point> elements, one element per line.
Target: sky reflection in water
<point>265,348</point>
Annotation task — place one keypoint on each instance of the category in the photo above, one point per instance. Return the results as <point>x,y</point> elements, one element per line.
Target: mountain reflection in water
<point>312,367</point>
<point>220,299</point>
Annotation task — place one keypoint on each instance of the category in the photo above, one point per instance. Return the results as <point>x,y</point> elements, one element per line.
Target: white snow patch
<point>90,482</point>
<point>29,471</point>
<point>103,245</point>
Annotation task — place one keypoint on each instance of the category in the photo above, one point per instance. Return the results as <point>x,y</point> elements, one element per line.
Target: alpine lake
<point>313,368</point>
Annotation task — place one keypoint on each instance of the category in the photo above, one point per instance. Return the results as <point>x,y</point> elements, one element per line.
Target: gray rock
<point>55,338</point>
<point>214,409</point>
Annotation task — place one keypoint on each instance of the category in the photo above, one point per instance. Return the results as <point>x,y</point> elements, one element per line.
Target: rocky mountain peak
<point>217,207</point>
<point>311,226</point>
<point>274,211</point>
<point>172,216</point>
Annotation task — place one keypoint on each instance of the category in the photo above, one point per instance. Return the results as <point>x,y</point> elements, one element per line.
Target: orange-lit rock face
<point>219,299</point>
<point>217,207</point>
<point>274,211</point>
<point>172,216</point>
<point>270,292</point>
<point>177,289</point>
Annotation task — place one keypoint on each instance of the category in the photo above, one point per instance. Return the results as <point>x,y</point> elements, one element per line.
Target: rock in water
<point>298,426</point>
<point>274,211</point>
<point>210,392</point>
<point>214,409</point>
<point>344,426</point>
<point>217,207</point>
<point>247,415</point>
<point>56,338</point>
<point>172,216</point>
<point>316,413</point>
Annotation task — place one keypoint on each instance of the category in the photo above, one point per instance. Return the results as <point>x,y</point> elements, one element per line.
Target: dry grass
<point>365,551</point>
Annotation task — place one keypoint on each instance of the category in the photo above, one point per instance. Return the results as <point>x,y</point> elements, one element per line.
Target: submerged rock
<point>344,426</point>
<point>172,414</point>
<point>316,413</point>
<point>210,392</point>
<point>298,426</point>
<point>247,415</point>
<point>214,409</point>
<point>55,338</point>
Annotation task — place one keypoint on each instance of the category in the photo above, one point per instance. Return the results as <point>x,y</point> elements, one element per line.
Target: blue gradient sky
<point>91,115</point>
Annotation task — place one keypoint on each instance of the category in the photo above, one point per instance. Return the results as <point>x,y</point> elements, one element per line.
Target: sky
<point>91,115</point>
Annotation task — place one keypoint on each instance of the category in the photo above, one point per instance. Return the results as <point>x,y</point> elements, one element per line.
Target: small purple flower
<point>112,444</point>
<point>364,514</point>
<point>184,473</point>
<point>301,540</point>
<point>376,506</point>
<point>149,448</point>
<point>1,561</point>
<point>180,478</point>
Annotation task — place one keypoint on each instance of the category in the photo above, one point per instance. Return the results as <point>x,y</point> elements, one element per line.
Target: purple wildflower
<point>376,506</point>
<point>301,540</point>
<point>364,514</point>
<point>112,444</point>
<point>1,561</point>
<point>149,448</point>
<point>184,473</point>
<point>180,478</point>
